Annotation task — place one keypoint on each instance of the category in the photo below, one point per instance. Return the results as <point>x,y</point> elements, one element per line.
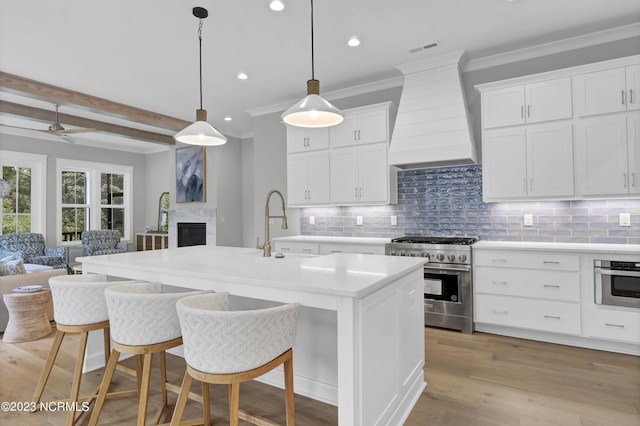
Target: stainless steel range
<point>448,291</point>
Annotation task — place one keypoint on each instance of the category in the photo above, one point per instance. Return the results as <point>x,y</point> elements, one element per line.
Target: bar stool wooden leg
<point>77,376</point>
<point>139,371</point>
<point>288,389</point>
<point>144,391</point>
<point>234,403</point>
<point>182,400</point>
<point>104,387</point>
<point>53,353</point>
<point>106,336</point>
<point>206,403</point>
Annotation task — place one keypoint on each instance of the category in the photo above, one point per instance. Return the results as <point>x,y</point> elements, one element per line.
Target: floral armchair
<point>30,247</point>
<point>104,241</point>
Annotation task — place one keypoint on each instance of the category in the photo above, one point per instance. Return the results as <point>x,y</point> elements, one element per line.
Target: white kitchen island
<point>360,342</point>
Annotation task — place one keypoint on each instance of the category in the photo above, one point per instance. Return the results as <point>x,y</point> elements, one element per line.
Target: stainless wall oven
<point>617,283</point>
<point>448,292</point>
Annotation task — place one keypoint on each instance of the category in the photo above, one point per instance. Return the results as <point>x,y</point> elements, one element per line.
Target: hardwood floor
<point>478,379</point>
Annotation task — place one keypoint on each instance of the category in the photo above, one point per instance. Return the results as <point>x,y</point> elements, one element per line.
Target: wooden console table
<point>27,316</point>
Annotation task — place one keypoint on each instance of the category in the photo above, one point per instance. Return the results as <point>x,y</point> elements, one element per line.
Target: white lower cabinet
<point>612,324</point>
<point>351,248</point>
<point>296,247</point>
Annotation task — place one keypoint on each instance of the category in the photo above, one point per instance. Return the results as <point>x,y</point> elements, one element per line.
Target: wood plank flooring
<point>478,379</point>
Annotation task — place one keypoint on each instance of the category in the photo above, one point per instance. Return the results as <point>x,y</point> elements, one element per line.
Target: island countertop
<point>341,274</point>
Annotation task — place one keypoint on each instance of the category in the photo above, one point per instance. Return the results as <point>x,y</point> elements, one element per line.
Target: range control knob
<point>451,257</point>
<point>424,254</point>
<point>440,257</point>
<point>462,257</point>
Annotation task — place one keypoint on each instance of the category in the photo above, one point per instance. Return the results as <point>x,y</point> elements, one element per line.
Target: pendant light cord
<point>313,74</point>
<point>200,43</point>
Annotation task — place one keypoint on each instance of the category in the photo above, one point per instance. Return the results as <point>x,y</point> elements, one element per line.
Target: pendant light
<point>312,110</point>
<point>200,132</point>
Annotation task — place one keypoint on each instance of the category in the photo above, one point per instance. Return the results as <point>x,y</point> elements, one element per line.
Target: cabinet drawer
<point>553,285</point>
<point>532,260</point>
<point>294,247</point>
<point>611,324</point>
<point>544,315</point>
<point>351,248</point>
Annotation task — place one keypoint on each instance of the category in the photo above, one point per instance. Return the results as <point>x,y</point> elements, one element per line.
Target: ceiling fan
<point>56,129</point>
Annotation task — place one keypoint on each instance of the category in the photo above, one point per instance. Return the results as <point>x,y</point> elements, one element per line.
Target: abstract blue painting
<point>191,179</point>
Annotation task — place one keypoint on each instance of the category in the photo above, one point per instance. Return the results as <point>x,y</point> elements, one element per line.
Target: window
<point>24,209</point>
<point>93,196</point>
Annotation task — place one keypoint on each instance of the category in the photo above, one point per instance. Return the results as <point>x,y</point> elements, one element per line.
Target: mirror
<point>163,212</point>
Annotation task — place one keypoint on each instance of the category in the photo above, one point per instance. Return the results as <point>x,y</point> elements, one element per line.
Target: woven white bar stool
<point>230,347</point>
<point>79,307</point>
<point>143,321</point>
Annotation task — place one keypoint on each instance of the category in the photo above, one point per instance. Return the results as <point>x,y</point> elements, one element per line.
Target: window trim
<point>38,165</point>
<point>93,170</point>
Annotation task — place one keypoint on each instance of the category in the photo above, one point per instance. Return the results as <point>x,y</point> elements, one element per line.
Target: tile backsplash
<point>447,201</point>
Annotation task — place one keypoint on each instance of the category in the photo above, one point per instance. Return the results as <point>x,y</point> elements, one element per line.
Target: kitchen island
<point>360,341</point>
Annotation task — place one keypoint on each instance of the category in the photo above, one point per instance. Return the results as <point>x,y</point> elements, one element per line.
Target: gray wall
<point>227,171</point>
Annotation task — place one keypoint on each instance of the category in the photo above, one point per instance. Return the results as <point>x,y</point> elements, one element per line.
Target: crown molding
<point>560,46</point>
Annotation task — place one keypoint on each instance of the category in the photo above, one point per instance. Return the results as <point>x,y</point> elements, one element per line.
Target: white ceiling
<point>144,53</point>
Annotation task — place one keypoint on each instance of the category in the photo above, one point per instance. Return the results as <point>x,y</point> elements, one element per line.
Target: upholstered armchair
<point>104,241</point>
<point>30,247</point>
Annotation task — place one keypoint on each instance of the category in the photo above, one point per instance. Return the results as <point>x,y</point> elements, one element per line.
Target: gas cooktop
<point>422,239</point>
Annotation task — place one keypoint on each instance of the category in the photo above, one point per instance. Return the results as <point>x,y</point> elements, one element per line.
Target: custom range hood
<point>432,127</point>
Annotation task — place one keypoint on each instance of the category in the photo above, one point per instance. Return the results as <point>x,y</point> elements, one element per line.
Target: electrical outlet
<point>394,220</point>
<point>528,219</point>
<point>625,219</point>
<point>358,220</point>
<point>312,220</point>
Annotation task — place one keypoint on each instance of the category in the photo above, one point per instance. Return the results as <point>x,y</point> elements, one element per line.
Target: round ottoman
<point>27,316</point>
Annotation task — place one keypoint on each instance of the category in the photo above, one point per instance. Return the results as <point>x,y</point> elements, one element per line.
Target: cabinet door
<point>317,138</point>
<point>373,173</point>
<point>633,150</point>
<point>344,175</point>
<point>297,179</point>
<point>503,107</point>
<point>601,155</point>
<point>318,177</point>
<point>345,133</point>
<point>503,164</point>
<point>633,87</point>
<point>550,160</point>
<point>600,92</point>
<point>372,126</point>
<point>548,100</point>
<point>296,139</point>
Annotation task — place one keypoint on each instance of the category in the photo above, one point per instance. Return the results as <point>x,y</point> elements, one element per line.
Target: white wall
<point>248,202</point>
<point>158,179</point>
<point>227,169</point>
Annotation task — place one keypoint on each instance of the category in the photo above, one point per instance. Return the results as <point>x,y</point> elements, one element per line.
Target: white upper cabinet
<point>533,161</point>
<point>529,103</point>
<point>360,175</point>
<point>608,91</point>
<point>308,178</point>
<point>361,126</point>
<point>301,139</point>
<point>607,155</point>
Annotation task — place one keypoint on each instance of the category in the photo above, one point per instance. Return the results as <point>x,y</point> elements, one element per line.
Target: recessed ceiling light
<point>354,41</point>
<point>228,119</point>
<point>242,76</point>
<point>276,5</point>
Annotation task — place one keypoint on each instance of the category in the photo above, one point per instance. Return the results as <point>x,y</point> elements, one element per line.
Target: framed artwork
<point>191,177</point>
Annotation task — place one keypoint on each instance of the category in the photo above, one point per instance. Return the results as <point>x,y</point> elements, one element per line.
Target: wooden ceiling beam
<point>46,116</point>
<point>58,95</point>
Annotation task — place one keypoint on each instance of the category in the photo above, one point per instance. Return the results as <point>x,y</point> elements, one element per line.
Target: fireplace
<point>192,234</point>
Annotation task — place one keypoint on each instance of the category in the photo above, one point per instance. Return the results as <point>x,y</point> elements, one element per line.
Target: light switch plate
<point>625,219</point>
<point>394,220</point>
<point>312,220</point>
<point>528,219</point>
<point>358,220</point>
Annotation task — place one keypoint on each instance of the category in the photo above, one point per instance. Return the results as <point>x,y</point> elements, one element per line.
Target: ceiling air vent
<point>425,47</point>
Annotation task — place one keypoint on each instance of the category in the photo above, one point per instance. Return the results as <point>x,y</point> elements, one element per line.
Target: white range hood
<point>432,127</point>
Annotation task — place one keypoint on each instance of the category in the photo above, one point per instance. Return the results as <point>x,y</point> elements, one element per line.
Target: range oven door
<point>616,287</point>
<point>447,290</point>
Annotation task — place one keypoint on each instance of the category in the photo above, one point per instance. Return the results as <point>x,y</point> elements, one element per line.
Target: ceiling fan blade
<point>26,128</point>
<point>77,130</point>
<point>67,138</point>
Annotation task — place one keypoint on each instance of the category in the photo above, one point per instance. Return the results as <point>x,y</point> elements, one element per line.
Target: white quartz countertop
<point>565,247</point>
<point>351,275</point>
<point>334,240</point>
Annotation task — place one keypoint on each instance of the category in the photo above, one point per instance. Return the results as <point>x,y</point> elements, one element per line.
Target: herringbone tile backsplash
<point>448,201</point>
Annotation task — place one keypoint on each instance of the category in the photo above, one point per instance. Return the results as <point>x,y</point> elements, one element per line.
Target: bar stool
<point>79,307</point>
<point>230,347</point>
<point>143,321</point>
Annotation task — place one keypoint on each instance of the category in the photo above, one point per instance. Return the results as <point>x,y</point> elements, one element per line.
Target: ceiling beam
<point>46,116</point>
<point>58,95</point>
